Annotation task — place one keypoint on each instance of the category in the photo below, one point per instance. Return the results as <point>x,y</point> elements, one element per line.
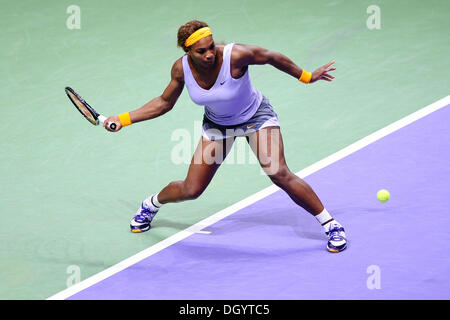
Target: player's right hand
<point>113,119</point>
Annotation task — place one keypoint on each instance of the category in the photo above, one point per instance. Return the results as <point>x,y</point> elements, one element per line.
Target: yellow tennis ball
<point>383,195</point>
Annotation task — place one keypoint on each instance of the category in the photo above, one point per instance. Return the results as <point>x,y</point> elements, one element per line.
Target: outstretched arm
<point>249,55</point>
<point>157,106</point>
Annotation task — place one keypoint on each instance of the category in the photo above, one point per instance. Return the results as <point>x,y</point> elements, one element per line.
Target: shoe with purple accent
<point>143,218</point>
<point>337,241</point>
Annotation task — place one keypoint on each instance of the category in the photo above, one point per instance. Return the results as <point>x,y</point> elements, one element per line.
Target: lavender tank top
<point>229,101</point>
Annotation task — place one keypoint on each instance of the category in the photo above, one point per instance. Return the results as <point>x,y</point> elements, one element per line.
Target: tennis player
<point>217,77</point>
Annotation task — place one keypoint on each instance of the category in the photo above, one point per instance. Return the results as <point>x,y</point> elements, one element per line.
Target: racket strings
<point>83,109</point>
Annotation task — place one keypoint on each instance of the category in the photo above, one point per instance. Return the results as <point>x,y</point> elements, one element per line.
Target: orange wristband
<point>125,119</point>
<point>305,77</point>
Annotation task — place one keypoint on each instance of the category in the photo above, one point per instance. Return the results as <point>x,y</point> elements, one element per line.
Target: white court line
<point>203,232</point>
<point>197,228</point>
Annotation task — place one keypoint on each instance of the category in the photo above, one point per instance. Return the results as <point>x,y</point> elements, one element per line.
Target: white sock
<point>155,201</point>
<point>152,202</point>
<point>325,219</point>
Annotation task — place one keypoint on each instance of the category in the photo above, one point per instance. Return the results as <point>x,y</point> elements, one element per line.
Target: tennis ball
<point>383,195</point>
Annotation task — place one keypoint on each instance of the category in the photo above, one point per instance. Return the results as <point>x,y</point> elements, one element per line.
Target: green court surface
<point>68,189</point>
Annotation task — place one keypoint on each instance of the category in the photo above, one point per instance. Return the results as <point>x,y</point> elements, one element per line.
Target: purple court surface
<point>274,250</point>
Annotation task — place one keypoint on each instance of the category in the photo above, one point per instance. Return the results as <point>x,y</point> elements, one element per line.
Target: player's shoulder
<point>177,70</point>
<point>241,53</point>
<point>240,49</point>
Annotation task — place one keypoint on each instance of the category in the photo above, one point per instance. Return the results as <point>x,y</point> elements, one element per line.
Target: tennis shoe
<point>337,241</point>
<point>143,218</point>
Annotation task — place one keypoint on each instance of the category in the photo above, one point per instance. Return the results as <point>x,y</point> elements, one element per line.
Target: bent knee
<point>192,191</point>
<point>281,176</point>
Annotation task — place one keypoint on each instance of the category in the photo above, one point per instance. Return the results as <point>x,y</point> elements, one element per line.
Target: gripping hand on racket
<point>113,119</point>
<point>322,73</point>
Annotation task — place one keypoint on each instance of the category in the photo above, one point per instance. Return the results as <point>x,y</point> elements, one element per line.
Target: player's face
<point>204,52</point>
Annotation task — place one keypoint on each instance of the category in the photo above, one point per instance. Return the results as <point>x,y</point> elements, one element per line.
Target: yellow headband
<point>197,35</point>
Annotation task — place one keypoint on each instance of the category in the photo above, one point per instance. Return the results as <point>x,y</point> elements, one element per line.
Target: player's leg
<point>267,144</point>
<point>207,158</point>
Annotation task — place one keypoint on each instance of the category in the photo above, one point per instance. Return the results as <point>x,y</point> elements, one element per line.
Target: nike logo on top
<point>249,127</point>
<point>223,82</point>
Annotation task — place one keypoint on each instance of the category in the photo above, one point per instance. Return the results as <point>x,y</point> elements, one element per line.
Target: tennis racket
<point>86,110</point>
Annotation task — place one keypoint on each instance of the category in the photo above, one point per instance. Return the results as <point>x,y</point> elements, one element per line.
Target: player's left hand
<point>322,73</point>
